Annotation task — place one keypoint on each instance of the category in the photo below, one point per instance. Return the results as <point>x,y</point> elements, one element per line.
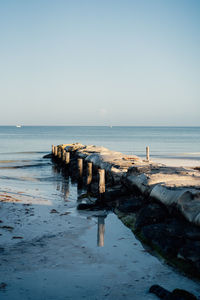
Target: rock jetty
<point>160,204</point>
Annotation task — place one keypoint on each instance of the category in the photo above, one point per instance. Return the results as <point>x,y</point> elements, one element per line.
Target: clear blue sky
<point>100,62</point>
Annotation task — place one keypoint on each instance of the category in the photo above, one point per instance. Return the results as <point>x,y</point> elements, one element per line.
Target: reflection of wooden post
<point>67,157</point>
<point>89,173</point>
<point>147,153</point>
<point>52,149</point>
<point>101,181</point>
<point>100,231</point>
<point>55,150</point>
<point>80,167</point>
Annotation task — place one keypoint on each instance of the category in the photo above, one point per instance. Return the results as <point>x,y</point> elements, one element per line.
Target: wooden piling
<point>67,157</point>
<point>80,167</point>
<point>59,153</point>
<point>147,153</point>
<point>55,151</point>
<point>102,188</point>
<point>89,173</point>
<point>52,149</point>
<point>63,155</point>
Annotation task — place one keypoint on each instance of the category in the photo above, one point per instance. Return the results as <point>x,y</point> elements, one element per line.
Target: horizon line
<point>111,126</point>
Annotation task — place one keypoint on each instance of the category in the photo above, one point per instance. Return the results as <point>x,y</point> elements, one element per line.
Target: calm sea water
<point>163,141</point>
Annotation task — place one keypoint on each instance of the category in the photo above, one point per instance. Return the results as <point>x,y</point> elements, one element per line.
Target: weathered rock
<point>159,291</point>
<point>190,251</point>
<point>150,214</point>
<point>192,232</point>
<point>180,294</point>
<point>50,155</point>
<point>177,294</point>
<point>115,193</point>
<point>130,203</point>
<point>167,239</point>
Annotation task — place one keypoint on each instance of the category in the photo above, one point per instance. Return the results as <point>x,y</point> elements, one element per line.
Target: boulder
<point>165,238</point>
<point>177,294</point>
<point>151,214</point>
<point>190,251</point>
<point>130,203</point>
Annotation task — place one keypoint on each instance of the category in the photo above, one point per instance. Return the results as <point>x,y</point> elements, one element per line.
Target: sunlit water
<point>56,255</point>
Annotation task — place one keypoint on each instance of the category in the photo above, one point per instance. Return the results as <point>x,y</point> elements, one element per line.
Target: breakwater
<point>160,204</point>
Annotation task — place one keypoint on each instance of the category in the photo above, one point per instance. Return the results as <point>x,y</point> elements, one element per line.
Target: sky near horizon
<point>108,62</point>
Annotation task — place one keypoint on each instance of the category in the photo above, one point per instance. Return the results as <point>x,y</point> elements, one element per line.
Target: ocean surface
<point>163,141</point>
<point>45,255</point>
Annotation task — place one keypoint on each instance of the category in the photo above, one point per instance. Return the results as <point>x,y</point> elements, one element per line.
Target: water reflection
<point>101,231</point>
<point>64,180</point>
<point>65,188</point>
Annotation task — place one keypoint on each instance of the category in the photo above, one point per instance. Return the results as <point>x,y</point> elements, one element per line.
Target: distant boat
<point>18,126</point>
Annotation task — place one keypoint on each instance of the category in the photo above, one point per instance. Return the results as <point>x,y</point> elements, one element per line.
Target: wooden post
<point>59,153</point>
<point>147,153</point>
<point>102,188</point>
<point>89,173</point>
<point>52,149</point>
<point>100,231</point>
<point>63,155</point>
<point>67,157</point>
<point>80,166</point>
<point>55,150</point>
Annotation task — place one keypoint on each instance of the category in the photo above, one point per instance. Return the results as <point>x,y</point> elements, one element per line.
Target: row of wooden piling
<point>61,154</point>
<point>64,156</point>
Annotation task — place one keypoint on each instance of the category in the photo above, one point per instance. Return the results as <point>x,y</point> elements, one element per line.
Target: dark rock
<point>192,232</point>
<point>94,188</point>
<point>53,211</point>
<point>159,291</point>
<point>164,238</point>
<point>114,193</point>
<point>50,155</point>
<point>129,204</point>
<point>177,294</point>
<point>191,251</point>
<point>180,294</point>
<point>151,214</point>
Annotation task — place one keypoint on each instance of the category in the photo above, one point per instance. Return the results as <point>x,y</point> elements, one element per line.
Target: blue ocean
<point>163,141</point>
